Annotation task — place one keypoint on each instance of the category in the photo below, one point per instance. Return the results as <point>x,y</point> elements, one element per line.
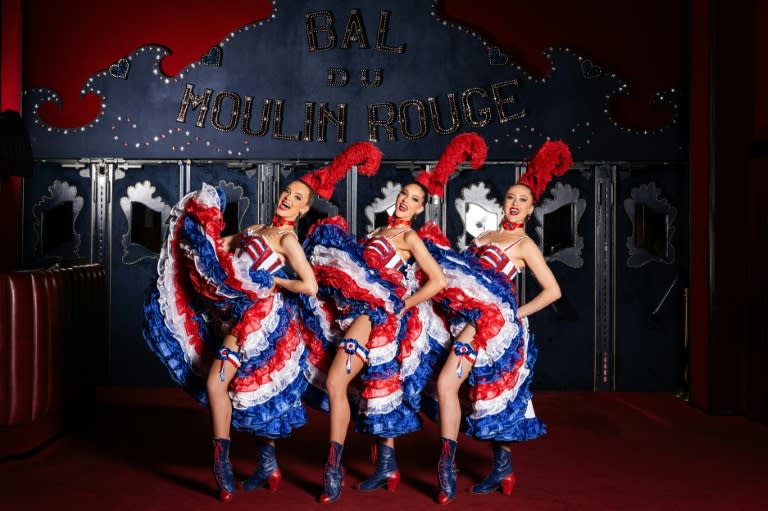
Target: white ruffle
<point>484,408</point>
<point>497,345</point>
<point>258,340</point>
<point>381,405</point>
<point>382,354</point>
<point>279,381</point>
<point>326,256</point>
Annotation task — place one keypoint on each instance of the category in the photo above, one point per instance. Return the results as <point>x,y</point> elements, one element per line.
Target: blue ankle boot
<point>333,475</point>
<point>386,469</point>
<point>267,473</point>
<point>446,472</point>
<point>222,469</point>
<point>501,473</point>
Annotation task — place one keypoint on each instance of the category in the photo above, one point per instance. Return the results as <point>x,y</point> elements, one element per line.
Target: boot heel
<point>392,481</point>
<point>273,481</point>
<point>508,484</point>
<point>225,496</point>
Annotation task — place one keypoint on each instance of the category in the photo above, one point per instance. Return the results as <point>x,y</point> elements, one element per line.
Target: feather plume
<point>552,159</point>
<point>365,155</point>
<point>463,147</point>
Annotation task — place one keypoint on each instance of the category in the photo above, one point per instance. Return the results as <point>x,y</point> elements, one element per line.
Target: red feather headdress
<point>365,155</point>
<point>552,159</point>
<point>463,147</point>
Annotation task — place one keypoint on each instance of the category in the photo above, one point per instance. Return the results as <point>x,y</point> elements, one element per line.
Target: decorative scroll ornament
<point>142,193</point>
<point>61,194</point>
<point>478,213</point>
<point>643,247</point>
<point>236,195</point>
<point>563,196</point>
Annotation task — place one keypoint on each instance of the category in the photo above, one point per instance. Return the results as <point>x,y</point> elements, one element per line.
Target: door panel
<point>57,215</point>
<point>651,277</point>
<point>564,332</point>
<point>142,198</point>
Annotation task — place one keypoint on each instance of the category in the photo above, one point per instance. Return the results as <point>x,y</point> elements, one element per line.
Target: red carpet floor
<point>149,450</point>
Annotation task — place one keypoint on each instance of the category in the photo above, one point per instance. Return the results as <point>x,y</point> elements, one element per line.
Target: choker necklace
<point>393,221</point>
<point>280,221</point>
<point>511,226</point>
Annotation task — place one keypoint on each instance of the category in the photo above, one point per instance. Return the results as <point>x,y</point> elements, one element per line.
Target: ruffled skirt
<point>498,404</point>
<point>200,295</point>
<point>349,288</point>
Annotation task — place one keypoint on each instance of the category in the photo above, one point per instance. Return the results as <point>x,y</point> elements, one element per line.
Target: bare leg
<point>448,384</point>
<point>336,385</point>
<point>219,377</point>
<point>338,379</point>
<point>218,392</point>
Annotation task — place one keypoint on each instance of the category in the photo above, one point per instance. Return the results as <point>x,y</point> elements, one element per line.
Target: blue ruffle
<point>429,363</point>
<point>398,422</point>
<point>279,415</point>
<point>165,346</point>
<point>285,315</point>
<point>511,425</point>
<point>333,236</point>
<point>275,418</point>
<point>317,398</point>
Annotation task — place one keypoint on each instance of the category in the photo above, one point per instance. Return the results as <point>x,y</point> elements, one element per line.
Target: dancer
<point>236,288</point>
<point>392,274</point>
<point>493,348</point>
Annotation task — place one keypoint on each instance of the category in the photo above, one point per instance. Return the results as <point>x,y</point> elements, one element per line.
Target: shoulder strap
<point>398,234</point>
<point>514,243</point>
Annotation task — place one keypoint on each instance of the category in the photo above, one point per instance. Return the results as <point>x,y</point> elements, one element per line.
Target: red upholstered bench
<point>43,315</point>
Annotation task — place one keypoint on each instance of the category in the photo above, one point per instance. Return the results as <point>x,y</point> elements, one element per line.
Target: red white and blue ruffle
<point>201,294</point>
<point>498,405</point>
<point>349,287</point>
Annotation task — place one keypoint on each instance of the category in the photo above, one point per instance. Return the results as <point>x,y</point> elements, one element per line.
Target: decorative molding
<point>58,193</point>
<point>563,195</point>
<point>478,213</point>
<point>650,196</point>
<point>142,192</point>
<point>383,203</point>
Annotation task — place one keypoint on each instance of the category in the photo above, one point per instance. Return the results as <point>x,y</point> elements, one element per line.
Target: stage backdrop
<point>281,96</point>
<point>317,75</point>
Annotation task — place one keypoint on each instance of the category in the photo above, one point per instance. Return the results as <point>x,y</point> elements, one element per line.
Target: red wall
<point>10,99</point>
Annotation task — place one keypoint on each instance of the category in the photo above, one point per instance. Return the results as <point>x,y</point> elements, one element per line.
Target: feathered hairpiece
<point>463,147</point>
<point>365,155</point>
<point>552,159</point>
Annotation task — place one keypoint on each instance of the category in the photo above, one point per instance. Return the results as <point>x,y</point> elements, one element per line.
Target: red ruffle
<point>252,318</point>
<point>381,388</point>
<point>490,320</point>
<point>331,276</point>
<point>413,331</point>
<point>383,334</point>
<point>181,298</point>
<point>484,392</point>
<point>283,353</point>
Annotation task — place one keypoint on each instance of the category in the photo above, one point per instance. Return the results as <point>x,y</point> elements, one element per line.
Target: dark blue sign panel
<point>319,75</point>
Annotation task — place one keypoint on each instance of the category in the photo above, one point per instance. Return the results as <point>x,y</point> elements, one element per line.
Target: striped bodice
<point>381,250</point>
<point>258,250</point>
<point>494,258</point>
